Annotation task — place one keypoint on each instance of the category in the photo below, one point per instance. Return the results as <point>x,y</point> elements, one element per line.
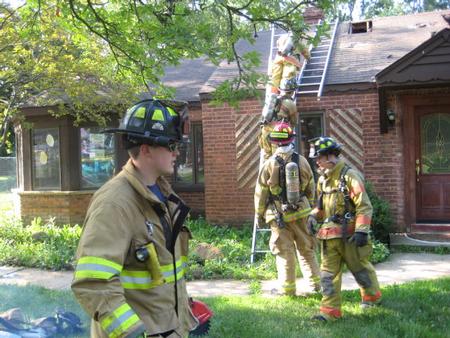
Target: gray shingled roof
<point>359,57</point>
<point>188,77</point>
<point>356,58</point>
<point>227,71</point>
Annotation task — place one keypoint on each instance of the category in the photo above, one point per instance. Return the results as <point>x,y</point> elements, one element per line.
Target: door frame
<point>409,127</point>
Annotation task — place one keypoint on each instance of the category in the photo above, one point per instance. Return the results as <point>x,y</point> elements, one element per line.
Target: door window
<point>435,143</point>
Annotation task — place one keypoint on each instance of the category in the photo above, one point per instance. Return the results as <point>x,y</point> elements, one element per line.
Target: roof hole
<point>360,27</point>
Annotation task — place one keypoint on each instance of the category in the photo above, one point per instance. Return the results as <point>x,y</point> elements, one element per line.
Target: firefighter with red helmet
<point>132,254</point>
<point>283,198</point>
<point>341,221</point>
<point>285,110</point>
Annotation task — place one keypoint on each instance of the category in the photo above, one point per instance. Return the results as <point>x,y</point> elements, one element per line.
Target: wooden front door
<point>432,163</point>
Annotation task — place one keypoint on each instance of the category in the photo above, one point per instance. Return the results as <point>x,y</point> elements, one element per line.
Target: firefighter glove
<point>311,224</point>
<point>360,238</point>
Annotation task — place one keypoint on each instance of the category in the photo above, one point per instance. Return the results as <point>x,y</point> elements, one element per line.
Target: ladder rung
<point>308,92</point>
<point>313,70</point>
<point>259,230</point>
<point>316,63</point>
<point>311,76</point>
<point>308,84</point>
<point>260,251</point>
<point>319,51</point>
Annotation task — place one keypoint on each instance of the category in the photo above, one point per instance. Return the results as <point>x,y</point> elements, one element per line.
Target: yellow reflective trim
<point>100,261</point>
<point>114,315</point>
<point>125,326</point>
<point>171,111</point>
<point>93,274</point>
<point>296,215</point>
<point>279,135</point>
<point>140,113</point>
<point>158,115</point>
<point>129,273</point>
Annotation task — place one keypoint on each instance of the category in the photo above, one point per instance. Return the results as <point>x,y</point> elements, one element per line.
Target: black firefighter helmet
<point>153,122</point>
<point>325,145</point>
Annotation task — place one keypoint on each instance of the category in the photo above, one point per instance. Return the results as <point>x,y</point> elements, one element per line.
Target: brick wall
<point>65,206</point>
<point>382,157</point>
<point>382,153</point>
<point>224,201</point>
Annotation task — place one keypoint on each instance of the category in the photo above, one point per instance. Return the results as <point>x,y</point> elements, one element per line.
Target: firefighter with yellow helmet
<point>132,254</point>
<point>283,198</point>
<point>341,221</point>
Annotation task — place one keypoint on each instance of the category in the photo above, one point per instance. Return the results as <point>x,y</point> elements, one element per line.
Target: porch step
<point>430,228</point>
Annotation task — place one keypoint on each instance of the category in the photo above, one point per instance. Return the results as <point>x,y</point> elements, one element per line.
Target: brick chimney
<point>312,15</point>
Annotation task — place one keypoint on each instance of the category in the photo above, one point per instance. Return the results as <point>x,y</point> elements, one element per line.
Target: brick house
<point>386,98</point>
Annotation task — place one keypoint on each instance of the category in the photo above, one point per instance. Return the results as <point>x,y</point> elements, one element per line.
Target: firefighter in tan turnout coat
<point>284,205</point>
<point>132,253</point>
<point>341,221</point>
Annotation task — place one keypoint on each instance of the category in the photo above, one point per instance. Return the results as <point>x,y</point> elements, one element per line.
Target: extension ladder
<point>310,79</point>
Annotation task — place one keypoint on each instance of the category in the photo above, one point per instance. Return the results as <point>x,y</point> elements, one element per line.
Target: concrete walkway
<point>399,268</point>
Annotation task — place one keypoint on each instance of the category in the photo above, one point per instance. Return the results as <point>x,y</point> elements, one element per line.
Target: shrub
<point>380,252</point>
<point>40,245</point>
<point>382,219</point>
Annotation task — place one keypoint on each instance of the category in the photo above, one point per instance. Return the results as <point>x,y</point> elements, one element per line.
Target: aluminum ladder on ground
<point>275,34</point>
<point>311,78</point>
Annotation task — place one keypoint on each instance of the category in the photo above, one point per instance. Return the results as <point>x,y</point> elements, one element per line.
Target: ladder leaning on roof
<point>311,78</point>
<point>306,83</point>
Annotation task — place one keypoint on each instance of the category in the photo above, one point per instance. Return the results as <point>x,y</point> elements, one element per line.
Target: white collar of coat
<point>284,149</point>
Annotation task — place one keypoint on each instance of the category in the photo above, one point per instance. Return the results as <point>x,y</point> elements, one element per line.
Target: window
<point>310,126</point>
<point>45,159</point>
<point>97,157</point>
<point>189,167</point>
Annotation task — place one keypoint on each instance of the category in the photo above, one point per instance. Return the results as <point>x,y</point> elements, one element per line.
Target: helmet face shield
<point>282,134</point>
<point>159,122</point>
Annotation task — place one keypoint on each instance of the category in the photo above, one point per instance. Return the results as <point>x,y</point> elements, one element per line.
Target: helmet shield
<point>282,134</point>
<point>159,122</point>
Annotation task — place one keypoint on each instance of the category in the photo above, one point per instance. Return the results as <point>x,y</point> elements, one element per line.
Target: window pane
<point>199,153</point>
<point>97,157</point>
<point>311,126</point>
<point>45,159</point>
<point>184,170</point>
<point>435,143</point>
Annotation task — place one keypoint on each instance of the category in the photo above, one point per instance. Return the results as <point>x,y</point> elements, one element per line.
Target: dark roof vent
<point>360,27</point>
<point>446,18</point>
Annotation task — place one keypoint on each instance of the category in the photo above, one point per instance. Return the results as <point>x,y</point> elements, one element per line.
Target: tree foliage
<point>91,53</point>
<point>44,61</point>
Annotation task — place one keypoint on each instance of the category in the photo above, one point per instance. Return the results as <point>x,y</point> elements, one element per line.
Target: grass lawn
<point>6,202</point>
<point>417,309</point>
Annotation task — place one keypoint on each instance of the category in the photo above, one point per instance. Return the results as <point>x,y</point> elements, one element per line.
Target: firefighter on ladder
<point>341,221</point>
<point>287,61</point>
<point>283,197</point>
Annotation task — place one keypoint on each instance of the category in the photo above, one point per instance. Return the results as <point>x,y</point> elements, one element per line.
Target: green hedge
<point>50,246</point>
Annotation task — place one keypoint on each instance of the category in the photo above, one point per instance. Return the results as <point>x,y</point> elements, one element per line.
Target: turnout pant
<point>335,253</point>
<point>285,244</point>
